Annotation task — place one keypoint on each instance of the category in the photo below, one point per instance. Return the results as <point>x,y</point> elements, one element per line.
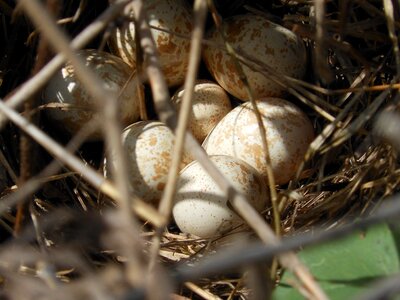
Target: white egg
<point>289,133</point>
<point>255,36</point>
<point>65,88</point>
<point>210,104</point>
<point>149,148</point>
<point>174,19</point>
<point>202,209</point>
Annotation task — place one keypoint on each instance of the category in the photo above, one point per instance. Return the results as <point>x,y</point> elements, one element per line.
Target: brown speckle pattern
<point>149,146</point>
<point>270,43</point>
<point>170,15</point>
<point>289,133</point>
<point>210,104</point>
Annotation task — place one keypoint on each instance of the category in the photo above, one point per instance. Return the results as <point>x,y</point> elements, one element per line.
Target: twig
<point>47,274</point>
<point>8,167</point>
<point>289,260</point>
<point>111,127</point>
<point>167,114</point>
<point>292,85</point>
<point>317,143</point>
<point>202,293</point>
<point>200,11</point>
<point>357,81</point>
<point>262,130</point>
<point>27,147</point>
<point>161,99</point>
<point>34,183</point>
<point>98,181</point>
<point>320,49</point>
<point>259,281</point>
<point>260,66</point>
<point>242,256</point>
<point>390,19</point>
<point>346,133</point>
<point>33,85</point>
<point>386,288</point>
<point>327,132</point>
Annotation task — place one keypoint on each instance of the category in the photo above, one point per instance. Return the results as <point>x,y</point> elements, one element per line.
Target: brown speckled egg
<point>255,36</point>
<point>210,104</point>
<point>149,146</point>
<point>200,206</point>
<point>173,16</point>
<point>80,108</point>
<point>289,133</point>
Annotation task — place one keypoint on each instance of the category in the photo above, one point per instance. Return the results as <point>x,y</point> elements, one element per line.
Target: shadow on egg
<point>148,146</point>
<point>139,183</point>
<point>75,106</point>
<point>289,133</point>
<point>204,214</point>
<point>202,208</point>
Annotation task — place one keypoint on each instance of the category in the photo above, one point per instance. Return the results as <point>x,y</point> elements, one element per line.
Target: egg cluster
<point>229,135</point>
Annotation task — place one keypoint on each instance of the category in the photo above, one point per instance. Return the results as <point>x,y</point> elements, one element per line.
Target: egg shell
<point>257,37</point>
<point>149,146</point>
<point>289,133</point>
<point>210,104</point>
<point>174,16</point>
<point>201,207</point>
<point>65,88</point>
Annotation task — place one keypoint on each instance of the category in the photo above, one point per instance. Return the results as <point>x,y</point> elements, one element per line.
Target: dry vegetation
<point>66,233</point>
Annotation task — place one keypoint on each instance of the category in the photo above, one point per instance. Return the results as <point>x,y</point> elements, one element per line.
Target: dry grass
<point>67,232</point>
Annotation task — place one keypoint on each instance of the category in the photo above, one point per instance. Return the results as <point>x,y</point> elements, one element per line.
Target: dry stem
<point>200,11</point>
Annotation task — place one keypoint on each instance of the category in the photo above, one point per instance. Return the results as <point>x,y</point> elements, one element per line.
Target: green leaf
<point>346,267</point>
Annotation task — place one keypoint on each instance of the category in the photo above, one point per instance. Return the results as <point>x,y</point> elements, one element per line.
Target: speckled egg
<point>202,209</point>
<point>255,36</point>
<point>78,107</point>
<point>210,104</point>
<point>149,146</point>
<point>175,18</point>
<point>289,133</point>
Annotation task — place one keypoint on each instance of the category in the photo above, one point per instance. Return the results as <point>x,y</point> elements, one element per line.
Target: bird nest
<point>68,233</point>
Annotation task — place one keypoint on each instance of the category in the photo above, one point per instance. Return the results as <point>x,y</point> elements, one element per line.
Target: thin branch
<point>34,183</point>
<point>318,141</point>
<point>344,134</point>
<point>144,210</point>
<point>289,260</point>
<point>107,106</point>
<point>320,45</point>
<point>390,19</point>
<point>261,128</point>
<point>386,288</point>
<point>167,114</point>
<point>257,252</point>
<point>200,11</point>
<point>33,85</point>
<point>199,291</point>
